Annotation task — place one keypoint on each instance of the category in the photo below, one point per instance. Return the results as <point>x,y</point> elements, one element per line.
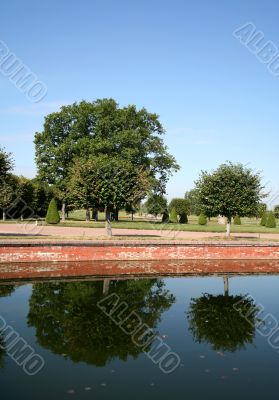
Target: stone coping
<point>133,243</point>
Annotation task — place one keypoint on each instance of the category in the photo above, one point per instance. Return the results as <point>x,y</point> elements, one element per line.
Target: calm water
<point>87,356</point>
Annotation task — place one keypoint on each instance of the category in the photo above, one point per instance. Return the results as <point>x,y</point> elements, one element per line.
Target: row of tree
<point>97,155</point>
<point>21,197</point>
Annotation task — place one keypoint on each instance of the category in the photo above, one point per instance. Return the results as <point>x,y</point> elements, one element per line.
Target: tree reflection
<point>6,290</point>
<point>69,322</point>
<point>227,322</point>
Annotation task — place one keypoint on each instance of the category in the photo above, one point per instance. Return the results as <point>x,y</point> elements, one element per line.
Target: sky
<point>180,59</point>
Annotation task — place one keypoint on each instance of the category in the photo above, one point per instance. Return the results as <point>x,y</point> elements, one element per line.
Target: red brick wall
<point>56,253</point>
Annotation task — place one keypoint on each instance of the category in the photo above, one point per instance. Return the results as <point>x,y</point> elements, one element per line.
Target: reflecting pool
<point>209,337</point>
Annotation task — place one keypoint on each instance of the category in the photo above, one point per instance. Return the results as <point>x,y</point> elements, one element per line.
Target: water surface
<point>87,356</point>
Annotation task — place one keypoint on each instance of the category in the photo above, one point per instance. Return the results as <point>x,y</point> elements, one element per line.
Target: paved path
<point>47,232</point>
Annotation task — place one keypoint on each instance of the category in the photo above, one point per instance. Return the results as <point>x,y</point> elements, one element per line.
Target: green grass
<point>77,219</point>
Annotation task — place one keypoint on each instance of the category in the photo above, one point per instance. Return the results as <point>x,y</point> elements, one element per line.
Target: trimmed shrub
<point>237,220</point>
<point>183,218</point>
<point>52,216</point>
<point>263,219</point>
<point>173,215</point>
<point>202,219</point>
<point>165,217</point>
<point>276,211</point>
<point>270,220</point>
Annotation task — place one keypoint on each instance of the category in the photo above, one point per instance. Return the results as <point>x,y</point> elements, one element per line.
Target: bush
<point>263,219</point>
<point>165,217</point>
<point>237,220</point>
<point>202,219</point>
<point>183,218</point>
<point>270,220</point>
<point>173,215</point>
<point>276,211</point>
<point>52,216</point>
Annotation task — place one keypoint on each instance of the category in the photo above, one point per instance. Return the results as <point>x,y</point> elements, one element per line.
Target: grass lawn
<point>77,219</point>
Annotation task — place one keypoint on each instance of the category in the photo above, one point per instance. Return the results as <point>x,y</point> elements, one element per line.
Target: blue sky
<point>177,58</point>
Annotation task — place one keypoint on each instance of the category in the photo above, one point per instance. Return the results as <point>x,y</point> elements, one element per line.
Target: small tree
<point>173,216</point>
<point>270,220</point>
<point>182,208</point>
<point>202,219</point>
<point>230,190</point>
<point>156,204</point>
<point>237,220</point>
<point>109,183</point>
<point>52,216</point>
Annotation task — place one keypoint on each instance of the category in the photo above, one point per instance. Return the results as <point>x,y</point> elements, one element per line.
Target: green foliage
<point>6,163</point>
<point>215,320</point>
<point>237,220</point>
<point>107,182</point>
<point>276,211</point>
<point>270,220</point>
<point>202,219</point>
<point>173,216</point>
<point>182,208</point>
<point>7,184</point>
<point>68,321</point>
<point>231,189</point>
<point>262,207</point>
<point>165,217</point>
<point>263,219</point>
<point>156,204</point>
<point>183,219</point>
<point>193,198</point>
<point>52,216</point>
<point>93,129</point>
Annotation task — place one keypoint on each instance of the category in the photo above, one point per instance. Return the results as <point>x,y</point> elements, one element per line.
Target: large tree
<point>109,183</point>
<point>230,190</point>
<point>97,128</point>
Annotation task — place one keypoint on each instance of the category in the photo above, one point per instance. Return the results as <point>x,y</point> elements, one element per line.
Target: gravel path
<point>47,232</point>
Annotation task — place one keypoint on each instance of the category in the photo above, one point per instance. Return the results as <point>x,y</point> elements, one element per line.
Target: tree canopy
<point>230,190</point>
<point>156,204</point>
<point>99,128</point>
<point>105,182</point>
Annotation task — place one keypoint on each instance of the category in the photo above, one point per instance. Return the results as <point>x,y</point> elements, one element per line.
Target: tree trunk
<point>132,215</point>
<point>108,222</point>
<point>106,286</point>
<point>229,223</point>
<point>63,211</point>
<point>4,214</point>
<point>87,216</point>
<point>116,214</point>
<point>226,285</point>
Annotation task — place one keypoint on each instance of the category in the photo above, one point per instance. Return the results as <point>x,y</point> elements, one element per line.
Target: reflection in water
<point>214,319</point>
<point>5,290</point>
<point>69,322</point>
